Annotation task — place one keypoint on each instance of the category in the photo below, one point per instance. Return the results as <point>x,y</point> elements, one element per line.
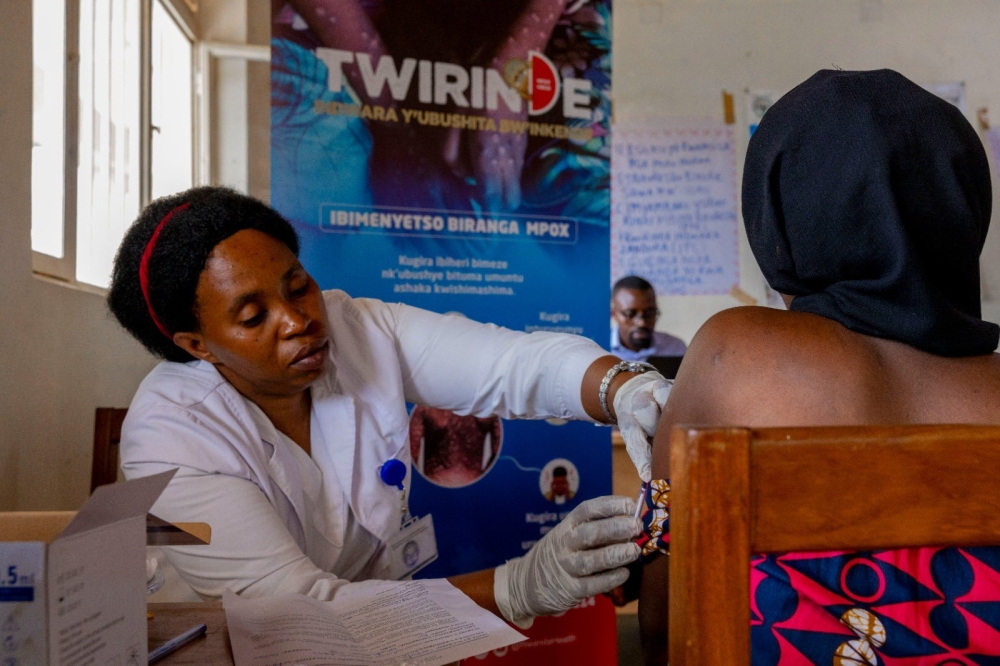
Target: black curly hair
<point>212,215</point>
<point>633,282</point>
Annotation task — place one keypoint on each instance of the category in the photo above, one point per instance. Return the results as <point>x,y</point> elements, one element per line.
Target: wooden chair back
<point>107,438</point>
<point>736,491</point>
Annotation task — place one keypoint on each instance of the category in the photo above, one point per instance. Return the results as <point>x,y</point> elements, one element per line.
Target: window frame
<point>62,270</point>
<point>147,89</point>
<point>205,53</point>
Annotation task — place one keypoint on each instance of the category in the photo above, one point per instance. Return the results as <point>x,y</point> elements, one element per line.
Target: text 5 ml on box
<point>73,586</point>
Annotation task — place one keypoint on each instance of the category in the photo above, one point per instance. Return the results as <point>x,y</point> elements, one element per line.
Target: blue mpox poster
<point>455,156</point>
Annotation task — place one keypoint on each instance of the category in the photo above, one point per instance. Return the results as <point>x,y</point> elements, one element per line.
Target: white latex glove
<point>582,556</point>
<point>638,404</point>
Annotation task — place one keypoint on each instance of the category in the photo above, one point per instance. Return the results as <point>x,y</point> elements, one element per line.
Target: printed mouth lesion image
<point>452,450</point>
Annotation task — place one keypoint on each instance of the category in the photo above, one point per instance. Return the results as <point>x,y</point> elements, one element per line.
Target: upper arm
<point>710,386</point>
<point>708,390</point>
<point>748,367</point>
<point>754,367</point>
<point>451,362</point>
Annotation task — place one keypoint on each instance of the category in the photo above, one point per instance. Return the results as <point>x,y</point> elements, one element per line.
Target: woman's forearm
<point>591,387</point>
<point>478,586</point>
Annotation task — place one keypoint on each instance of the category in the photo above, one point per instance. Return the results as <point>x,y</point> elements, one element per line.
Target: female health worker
<point>280,405</point>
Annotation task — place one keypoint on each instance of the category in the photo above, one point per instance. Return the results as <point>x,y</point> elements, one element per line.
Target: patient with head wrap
<point>866,202</point>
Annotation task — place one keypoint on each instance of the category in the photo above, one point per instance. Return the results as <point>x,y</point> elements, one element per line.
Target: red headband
<point>144,268</point>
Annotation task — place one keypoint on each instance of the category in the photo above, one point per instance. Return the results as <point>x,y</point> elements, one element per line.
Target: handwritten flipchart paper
<point>673,205</point>
<point>993,141</point>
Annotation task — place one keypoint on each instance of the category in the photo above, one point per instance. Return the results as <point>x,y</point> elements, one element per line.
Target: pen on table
<point>176,642</point>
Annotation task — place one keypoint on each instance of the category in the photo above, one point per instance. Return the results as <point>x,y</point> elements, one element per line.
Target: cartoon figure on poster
<point>559,481</point>
<point>455,105</point>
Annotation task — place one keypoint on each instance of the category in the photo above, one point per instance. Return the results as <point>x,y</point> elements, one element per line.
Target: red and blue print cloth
<point>907,607</point>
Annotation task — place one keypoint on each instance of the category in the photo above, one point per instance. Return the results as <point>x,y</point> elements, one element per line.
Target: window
<point>48,145</point>
<point>83,200</point>
<point>107,186</point>
<point>172,104</point>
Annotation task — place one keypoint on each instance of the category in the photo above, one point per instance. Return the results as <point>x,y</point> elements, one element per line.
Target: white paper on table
<point>425,622</point>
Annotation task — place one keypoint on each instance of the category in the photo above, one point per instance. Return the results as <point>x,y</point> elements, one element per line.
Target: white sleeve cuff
<point>501,594</point>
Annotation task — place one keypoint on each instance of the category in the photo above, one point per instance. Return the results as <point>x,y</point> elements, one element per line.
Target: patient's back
<point>761,367</point>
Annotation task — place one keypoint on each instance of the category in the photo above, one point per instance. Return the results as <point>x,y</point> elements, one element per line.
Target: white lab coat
<point>287,523</point>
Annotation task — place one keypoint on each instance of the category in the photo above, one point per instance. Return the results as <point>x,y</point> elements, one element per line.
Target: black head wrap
<point>868,199</point>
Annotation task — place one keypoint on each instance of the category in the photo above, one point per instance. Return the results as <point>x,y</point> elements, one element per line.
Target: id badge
<point>413,548</point>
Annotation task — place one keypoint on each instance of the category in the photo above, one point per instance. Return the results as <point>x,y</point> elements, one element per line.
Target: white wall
<point>61,355</point>
<point>675,57</point>
<point>241,121</point>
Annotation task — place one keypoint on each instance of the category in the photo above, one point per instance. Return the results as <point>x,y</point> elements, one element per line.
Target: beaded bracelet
<point>616,369</point>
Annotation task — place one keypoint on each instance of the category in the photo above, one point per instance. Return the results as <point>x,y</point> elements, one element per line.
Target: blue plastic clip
<point>392,472</point>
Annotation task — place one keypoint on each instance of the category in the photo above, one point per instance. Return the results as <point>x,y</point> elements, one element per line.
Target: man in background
<point>634,311</point>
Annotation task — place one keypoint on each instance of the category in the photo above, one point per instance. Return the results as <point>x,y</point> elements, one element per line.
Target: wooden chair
<point>737,491</point>
<point>107,437</point>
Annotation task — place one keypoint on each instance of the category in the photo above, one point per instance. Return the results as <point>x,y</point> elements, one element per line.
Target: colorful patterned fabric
<point>655,535</point>
<point>888,608</point>
<point>909,607</point>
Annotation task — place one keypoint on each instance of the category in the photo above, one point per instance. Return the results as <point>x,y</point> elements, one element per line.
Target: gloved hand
<point>638,404</point>
<point>582,556</point>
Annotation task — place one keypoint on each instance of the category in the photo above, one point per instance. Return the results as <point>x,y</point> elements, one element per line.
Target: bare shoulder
<point>748,365</point>
<point>739,333</point>
<point>756,338</point>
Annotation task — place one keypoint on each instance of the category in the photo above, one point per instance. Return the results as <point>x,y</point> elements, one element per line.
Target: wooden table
<point>170,620</point>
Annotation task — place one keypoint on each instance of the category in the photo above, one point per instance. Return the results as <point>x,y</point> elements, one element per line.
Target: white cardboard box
<point>73,586</point>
